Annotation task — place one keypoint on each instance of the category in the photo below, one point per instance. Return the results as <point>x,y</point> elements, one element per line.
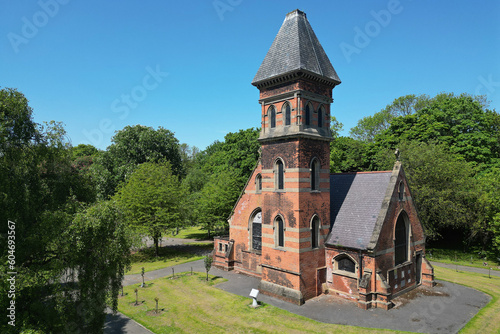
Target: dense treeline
<point>450,149</point>
<point>79,210</point>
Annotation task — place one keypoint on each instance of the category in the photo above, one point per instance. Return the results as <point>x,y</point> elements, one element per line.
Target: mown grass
<point>193,232</point>
<point>487,320</point>
<point>168,256</point>
<point>189,304</point>
<point>461,258</point>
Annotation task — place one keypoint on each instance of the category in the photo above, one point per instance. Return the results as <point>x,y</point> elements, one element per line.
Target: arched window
<point>272,116</point>
<point>279,232</point>
<point>321,114</point>
<point>345,265</point>
<point>258,183</point>
<point>401,190</point>
<point>286,110</point>
<point>279,175</point>
<point>315,174</point>
<point>315,232</point>
<point>256,232</point>
<point>401,236</point>
<point>309,109</point>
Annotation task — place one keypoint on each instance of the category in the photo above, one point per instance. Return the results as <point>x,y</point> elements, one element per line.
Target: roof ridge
<point>366,172</point>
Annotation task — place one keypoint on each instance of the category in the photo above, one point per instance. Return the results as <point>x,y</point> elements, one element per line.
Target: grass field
<point>189,304</point>
<point>460,258</point>
<point>168,256</point>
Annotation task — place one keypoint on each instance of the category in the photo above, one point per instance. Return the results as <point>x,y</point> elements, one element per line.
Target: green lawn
<point>461,258</point>
<point>193,232</point>
<point>168,256</point>
<point>189,304</point>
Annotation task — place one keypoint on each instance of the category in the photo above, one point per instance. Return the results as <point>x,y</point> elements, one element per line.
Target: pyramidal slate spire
<point>295,50</point>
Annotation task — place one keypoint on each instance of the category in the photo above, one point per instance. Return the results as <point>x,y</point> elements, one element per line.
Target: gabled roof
<point>296,48</point>
<point>356,207</point>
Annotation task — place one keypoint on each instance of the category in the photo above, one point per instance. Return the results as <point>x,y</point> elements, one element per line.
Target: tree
<point>130,147</point>
<point>443,188</point>
<point>460,122</point>
<point>216,200</point>
<point>238,153</point>
<point>152,200</point>
<point>208,263</point>
<point>370,126</point>
<point>98,246</point>
<point>40,192</point>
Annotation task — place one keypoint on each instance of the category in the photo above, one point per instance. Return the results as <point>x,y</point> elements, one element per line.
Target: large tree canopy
<point>41,190</point>
<point>460,122</point>
<point>152,200</point>
<point>370,126</point>
<point>130,147</point>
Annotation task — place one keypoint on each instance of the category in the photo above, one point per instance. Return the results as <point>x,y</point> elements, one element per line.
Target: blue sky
<point>98,66</point>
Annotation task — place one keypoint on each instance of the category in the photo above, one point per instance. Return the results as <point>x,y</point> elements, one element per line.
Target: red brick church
<point>300,229</point>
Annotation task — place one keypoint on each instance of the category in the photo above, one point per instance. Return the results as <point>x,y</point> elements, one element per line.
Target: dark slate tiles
<point>295,47</point>
<point>356,201</point>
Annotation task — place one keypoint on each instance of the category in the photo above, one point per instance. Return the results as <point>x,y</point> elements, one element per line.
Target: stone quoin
<point>300,229</point>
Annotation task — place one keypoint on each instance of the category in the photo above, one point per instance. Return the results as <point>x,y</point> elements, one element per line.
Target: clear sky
<point>98,66</point>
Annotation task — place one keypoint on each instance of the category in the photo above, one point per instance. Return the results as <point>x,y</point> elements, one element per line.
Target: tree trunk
<point>155,240</point>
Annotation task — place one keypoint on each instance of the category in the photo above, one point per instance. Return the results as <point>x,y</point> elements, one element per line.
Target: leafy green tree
<point>217,199</point>
<point>40,191</point>
<point>98,246</point>
<point>130,147</point>
<point>443,187</point>
<point>460,122</point>
<point>152,200</point>
<point>370,126</point>
<point>83,150</point>
<point>238,153</point>
<point>488,228</point>
<point>348,155</point>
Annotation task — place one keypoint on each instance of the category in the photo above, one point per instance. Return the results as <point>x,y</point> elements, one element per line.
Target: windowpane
<point>258,182</point>
<point>315,175</point>
<point>272,113</point>
<point>280,177</point>
<point>308,115</point>
<point>401,242</point>
<point>347,264</point>
<point>314,232</point>
<point>257,231</point>
<point>287,114</point>
<point>281,232</point>
<point>320,118</point>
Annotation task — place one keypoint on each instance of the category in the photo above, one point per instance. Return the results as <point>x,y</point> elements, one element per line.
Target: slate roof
<point>295,48</point>
<point>355,205</point>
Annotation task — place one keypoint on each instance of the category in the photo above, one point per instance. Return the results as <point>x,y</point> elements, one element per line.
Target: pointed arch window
<point>315,232</point>
<point>286,110</point>
<point>279,232</point>
<point>321,114</point>
<point>401,239</point>
<point>272,116</point>
<point>258,183</point>
<point>279,175</point>
<point>309,109</point>
<point>401,191</point>
<point>256,230</point>
<point>315,166</point>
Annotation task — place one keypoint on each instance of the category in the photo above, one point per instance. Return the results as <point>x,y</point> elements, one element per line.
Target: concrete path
<point>443,309</point>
